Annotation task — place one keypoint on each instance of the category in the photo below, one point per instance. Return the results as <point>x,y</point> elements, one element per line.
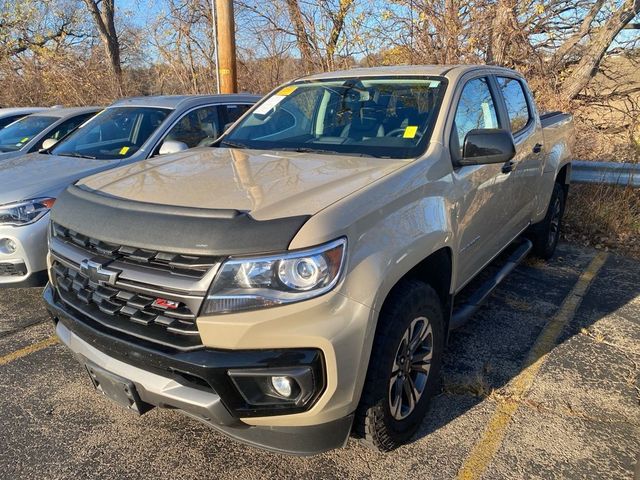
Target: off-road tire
<point>545,234</point>
<point>374,423</point>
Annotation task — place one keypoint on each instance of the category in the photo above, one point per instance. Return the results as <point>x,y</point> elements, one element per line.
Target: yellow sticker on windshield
<point>124,150</point>
<point>287,90</point>
<point>24,140</point>
<point>410,131</point>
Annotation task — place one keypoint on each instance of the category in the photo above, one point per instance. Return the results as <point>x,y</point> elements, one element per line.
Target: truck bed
<point>550,118</point>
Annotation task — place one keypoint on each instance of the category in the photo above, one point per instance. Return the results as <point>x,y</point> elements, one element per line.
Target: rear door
<point>517,106</point>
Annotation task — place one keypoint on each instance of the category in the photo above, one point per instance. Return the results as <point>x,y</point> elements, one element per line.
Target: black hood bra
<point>190,231</point>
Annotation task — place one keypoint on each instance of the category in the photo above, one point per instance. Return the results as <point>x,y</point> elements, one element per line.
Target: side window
<point>7,120</point>
<point>64,129</point>
<point>197,128</point>
<point>234,112</point>
<point>476,110</point>
<point>516,101</point>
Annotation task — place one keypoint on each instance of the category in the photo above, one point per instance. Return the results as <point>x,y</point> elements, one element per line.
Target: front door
<point>484,209</point>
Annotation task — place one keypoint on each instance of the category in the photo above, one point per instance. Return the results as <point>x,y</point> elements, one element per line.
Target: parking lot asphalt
<point>543,382</point>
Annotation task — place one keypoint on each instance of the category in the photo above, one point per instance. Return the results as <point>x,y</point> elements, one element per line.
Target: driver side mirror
<point>489,145</point>
<point>48,143</point>
<point>172,146</point>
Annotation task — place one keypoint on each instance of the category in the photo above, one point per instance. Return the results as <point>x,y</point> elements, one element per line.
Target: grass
<point>605,217</point>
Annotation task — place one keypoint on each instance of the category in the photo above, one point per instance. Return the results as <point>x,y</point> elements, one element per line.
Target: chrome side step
<point>465,310</point>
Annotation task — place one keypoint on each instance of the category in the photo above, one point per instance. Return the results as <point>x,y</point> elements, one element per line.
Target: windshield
<point>18,134</point>
<point>115,133</point>
<point>381,116</point>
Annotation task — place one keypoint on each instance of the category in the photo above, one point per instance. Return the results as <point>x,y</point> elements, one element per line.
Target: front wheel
<point>545,235</point>
<point>404,367</point>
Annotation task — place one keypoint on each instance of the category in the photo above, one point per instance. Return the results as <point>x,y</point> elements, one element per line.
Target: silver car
<point>127,131</point>
<point>30,133</point>
<point>10,115</point>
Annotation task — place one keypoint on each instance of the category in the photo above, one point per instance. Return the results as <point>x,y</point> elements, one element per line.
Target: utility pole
<point>226,46</point>
<point>214,31</point>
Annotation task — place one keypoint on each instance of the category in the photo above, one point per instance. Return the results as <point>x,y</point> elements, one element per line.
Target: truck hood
<point>266,184</point>
<point>35,175</point>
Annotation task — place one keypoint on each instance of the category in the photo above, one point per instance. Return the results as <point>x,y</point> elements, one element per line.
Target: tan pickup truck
<point>297,283</point>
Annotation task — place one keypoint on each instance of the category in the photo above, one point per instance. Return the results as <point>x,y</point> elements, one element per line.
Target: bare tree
<point>302,38</point>
<point>317,28</point>
<point>337,17</point>
<point>103,13</point>
<point>594,52</point>
<point>508,44</point>
<point>30,25</point>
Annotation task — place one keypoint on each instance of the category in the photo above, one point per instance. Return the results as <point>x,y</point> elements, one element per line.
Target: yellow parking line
<point>484,451</point>
<point>23,352</point>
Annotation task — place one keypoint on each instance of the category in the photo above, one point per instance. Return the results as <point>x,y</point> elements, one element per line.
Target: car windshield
<point>380,116</point>
<point>115,133</point>
<point>19,133</point>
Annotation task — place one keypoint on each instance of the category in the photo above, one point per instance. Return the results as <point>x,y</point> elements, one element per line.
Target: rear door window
<point>516,102</point>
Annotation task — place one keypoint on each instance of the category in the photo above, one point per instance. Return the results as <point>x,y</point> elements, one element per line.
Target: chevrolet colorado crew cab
<point>297,283</point>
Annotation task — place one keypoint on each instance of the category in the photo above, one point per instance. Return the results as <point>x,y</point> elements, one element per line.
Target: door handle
<point>508,167</point>
<point>537,148</point>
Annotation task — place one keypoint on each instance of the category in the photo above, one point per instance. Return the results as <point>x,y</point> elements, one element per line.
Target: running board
<point>464,311</point>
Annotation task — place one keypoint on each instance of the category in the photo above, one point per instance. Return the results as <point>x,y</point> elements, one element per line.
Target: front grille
<point>12,269</point>
<point>168,323</point>
<point>176,263</point>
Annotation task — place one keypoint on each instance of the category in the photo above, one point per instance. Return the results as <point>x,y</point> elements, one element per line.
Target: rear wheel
<point>404,367</point>
<point>545,235</point>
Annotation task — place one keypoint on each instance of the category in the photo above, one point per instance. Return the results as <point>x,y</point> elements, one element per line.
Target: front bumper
<point>27,265</point>
<point>165,379</point>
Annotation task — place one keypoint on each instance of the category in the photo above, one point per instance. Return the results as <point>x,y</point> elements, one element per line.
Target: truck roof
<point>175,101</point>
<point>409,70</point>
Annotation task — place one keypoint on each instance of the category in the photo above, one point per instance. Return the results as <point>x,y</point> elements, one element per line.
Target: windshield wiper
<point>305,150</point>
<point>232,144</point>
<point>76,155</point>
<point>326,150</point>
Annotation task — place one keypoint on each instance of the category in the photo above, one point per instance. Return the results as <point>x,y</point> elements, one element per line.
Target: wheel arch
<point>436,270</point>
<point>563,177</point>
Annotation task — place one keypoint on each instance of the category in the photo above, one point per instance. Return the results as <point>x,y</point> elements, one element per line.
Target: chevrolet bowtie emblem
<point>96,272</point>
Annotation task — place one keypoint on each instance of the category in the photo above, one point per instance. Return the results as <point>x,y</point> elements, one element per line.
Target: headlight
<point>25,212</point>
<point>259,282</point>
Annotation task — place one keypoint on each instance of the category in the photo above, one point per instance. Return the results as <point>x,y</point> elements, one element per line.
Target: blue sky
<point>140,11</point>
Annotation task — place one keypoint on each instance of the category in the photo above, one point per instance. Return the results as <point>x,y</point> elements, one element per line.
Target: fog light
<point>8,246</point>
<point>282,386</point>
<point>278,386</point>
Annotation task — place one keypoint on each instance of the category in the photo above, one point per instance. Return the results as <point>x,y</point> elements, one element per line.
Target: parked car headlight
<point>25,212</point>
<point>259,282</point>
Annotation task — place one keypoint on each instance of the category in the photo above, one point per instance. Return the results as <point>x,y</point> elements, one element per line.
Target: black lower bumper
<point>207,369</point>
